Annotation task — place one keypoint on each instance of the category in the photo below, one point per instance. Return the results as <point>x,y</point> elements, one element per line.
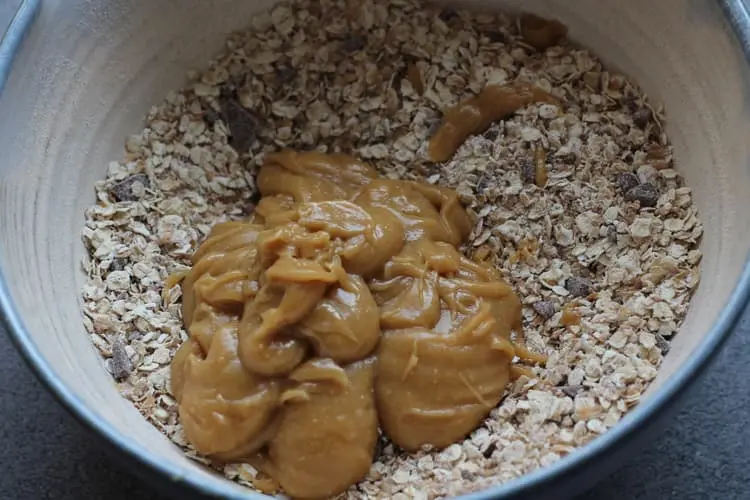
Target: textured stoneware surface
<point>90,70</point>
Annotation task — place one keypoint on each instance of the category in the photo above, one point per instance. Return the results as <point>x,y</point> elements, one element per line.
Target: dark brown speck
<point>662,344</point>
<point>242,123</point>
<point>627,181</point>
<point>121,365</point>
<point>578,286</point>
<point>123,190</point>
<point>571,390</point>
<point>641,117</point>
<point>544,308</point>
<point>646,194</point>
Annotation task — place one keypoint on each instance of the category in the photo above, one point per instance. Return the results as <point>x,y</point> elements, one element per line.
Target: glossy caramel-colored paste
<point>341,306</point>
<point>474,115</point>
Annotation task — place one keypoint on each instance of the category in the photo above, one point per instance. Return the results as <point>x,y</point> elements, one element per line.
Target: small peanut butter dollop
<point>474,115</point>
<point>341,306</point>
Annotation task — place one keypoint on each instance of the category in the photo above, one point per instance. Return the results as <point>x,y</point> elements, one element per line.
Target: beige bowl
<point>88,71</point>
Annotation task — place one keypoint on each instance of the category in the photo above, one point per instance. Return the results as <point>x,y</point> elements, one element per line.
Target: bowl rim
<point>148,465</point>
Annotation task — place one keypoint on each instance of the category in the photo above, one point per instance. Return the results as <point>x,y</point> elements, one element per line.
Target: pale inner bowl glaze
<point>90,70</point>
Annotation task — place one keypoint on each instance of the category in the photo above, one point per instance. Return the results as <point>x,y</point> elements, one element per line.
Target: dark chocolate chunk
<point>641,117</point>
<point>447,14</point>
<point>285,73</point>
<point>544,308</point>
<point>123,190</point>
<point>495,36</point>
<point>627,181</point>
<point>210,115</point>
<point>646,194</point>
<point>567,158</point>
<point>118,264</point>
<point>612,233</point>
<point>380,445</point>
<point>121,365</point>
<point>242,123</point>
<point>528,171</point>
<point>490,449</point>
<point>662,344</point>
<point>491,134</point>
<point>571,390</point>
<point>578,286</point>
<point>353,43</point>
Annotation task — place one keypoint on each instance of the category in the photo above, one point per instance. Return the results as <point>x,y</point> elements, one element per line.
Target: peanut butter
<point>541,33</point>
<point>342,305</point>
<point>476,114</point>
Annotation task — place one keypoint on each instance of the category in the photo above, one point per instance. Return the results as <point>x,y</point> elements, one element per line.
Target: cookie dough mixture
<point>571,195</point>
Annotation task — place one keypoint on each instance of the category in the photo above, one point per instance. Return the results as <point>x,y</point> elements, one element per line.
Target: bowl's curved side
<point>738,15</point>
<point>14,36</point>
<point>570,475</point>
<point>169,478</point>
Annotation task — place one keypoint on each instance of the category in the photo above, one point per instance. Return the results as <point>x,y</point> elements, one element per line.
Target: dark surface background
<point>703,453</point>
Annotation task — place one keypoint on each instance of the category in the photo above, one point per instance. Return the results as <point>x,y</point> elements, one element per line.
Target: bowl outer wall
<point>568,477</point>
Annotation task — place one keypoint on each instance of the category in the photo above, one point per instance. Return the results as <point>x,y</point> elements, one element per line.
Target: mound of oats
<point>579,205</point>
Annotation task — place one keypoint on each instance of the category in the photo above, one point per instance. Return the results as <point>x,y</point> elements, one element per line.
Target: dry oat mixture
<point>579,205</point>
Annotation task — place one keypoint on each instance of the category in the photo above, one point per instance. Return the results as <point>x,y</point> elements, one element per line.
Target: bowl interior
<point>90,70</point>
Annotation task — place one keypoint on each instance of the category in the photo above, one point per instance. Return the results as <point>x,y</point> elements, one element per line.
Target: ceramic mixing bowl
<point>80,75</point>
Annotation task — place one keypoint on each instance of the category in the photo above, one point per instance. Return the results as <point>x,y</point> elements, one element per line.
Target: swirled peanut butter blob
<point>423,211</point>
<point>444,358</point>
<point>367,238</point>
<point>341,305</point>
<point>313,176</point>
<point>222,268</point>
<point>345,324</point>
<point>225,410</point>
<point>433,390</point>
<point>326,438</point>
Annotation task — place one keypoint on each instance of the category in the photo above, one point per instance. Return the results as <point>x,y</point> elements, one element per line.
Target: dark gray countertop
<point>704,453</point>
